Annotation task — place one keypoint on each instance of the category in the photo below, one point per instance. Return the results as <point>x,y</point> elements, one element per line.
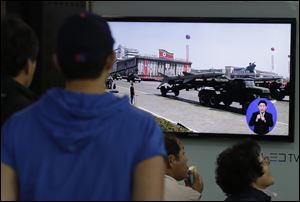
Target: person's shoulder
<point>130,112</point>
<point>189,193</point>
<point>16,91</point>
<point>138,114</point>
<point>268,113</point>
<point>177,191</point>
<point>23,115</point>
<point>138,119</point>
<point>241,197</point>
<point>250,194</point>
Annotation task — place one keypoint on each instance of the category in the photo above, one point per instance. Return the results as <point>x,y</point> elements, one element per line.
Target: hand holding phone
<point>194,180</point>
<point>191,176</point>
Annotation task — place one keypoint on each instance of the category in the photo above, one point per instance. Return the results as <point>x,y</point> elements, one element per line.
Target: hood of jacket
<point>74,119</point>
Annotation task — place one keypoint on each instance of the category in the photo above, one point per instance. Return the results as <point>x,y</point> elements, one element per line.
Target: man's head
<point>85,47</point>
<point>262,106</point>
<point>242,166</point>
<point>177,161</point>
<point>19,49</point>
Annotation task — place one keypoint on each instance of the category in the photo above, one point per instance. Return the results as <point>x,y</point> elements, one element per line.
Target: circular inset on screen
<point>261,116</point>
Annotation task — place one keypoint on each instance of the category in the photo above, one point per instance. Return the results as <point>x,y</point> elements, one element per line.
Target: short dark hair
<point>18,44</point>
<point>171,144</point>
<point>262,101</point>
<point>238,166</point>
<point>83,44</point>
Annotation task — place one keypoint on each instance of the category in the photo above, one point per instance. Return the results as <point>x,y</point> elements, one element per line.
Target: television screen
<point>209,77</point>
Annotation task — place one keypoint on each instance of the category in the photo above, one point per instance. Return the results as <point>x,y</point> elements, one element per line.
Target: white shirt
<point>177,192</point>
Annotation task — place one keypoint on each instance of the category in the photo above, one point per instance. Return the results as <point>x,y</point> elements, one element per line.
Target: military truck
<point>277,87</point>
<point>214,88</point>
<point>241,90</point>
<point>133,78</point>
<point>187,81</point>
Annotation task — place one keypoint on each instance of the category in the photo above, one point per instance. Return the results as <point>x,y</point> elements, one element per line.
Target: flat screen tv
<point>209,77</point>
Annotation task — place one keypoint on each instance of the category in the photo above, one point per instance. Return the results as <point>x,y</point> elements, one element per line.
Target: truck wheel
<point>213,100</point>
<point>163,91</point>
<point>202,98</point>
<point>279,97</point>
<point>227,103</point>
<point>176,92</point>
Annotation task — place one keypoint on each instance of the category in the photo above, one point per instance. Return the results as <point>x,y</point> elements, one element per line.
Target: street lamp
<point>272,59</point>
<point>187,47</point>
<point>187,53</point>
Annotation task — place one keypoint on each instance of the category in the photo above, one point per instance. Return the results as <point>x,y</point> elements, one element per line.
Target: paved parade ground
<point>186,110</point>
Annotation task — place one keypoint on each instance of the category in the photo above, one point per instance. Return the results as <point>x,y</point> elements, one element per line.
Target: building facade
<point>151,67</point>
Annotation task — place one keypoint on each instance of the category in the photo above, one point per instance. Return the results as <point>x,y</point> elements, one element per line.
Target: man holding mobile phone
<point>177,170</point>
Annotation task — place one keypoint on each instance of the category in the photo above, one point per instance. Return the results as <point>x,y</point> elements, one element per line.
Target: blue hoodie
<point>75,146</point>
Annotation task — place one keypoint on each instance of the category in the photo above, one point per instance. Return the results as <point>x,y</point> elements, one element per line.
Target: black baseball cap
<point>84,38</point>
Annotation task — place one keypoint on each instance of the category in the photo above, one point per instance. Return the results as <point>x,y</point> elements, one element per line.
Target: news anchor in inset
<point>261,120</point>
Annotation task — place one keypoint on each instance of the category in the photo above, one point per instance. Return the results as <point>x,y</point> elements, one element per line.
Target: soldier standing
<point>131,93</point>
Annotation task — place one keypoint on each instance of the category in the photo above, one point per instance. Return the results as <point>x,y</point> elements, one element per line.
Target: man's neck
<point>96,86</point>
<point>257,186</point>
<point>169,173</point>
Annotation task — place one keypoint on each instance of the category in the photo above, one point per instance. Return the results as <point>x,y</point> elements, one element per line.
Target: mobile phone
<point>191,177</point>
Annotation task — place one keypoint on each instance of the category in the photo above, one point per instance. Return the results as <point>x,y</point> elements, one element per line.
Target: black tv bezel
<point>291,21</point>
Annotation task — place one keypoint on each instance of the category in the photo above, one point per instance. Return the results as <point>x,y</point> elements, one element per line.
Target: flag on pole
<point>166,54</point>
<point>146,67</point>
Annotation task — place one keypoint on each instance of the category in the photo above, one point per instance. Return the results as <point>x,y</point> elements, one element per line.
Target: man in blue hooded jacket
<point>81,143</point>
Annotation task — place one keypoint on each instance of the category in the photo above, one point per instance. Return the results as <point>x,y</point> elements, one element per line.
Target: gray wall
<point>201,152</point>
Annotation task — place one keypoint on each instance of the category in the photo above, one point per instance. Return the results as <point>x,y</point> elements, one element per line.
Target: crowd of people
<point>83,143</point>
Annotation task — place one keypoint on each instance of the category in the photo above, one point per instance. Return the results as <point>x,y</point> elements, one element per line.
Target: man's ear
<point>171,160</point>
<point>29,67</point>
<point>110,60</point>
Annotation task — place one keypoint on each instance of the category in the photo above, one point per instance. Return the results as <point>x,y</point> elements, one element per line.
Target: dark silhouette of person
<point>71,145</point>
<point>19,51</point>
<point>261,120</point>
<point>131,93</point>
<point>243,173</point>
<point>251,67</point>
